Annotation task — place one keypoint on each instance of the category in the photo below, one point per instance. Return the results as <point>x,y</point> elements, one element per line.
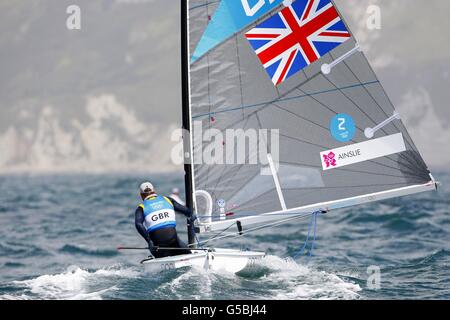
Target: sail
<point>288,80</point>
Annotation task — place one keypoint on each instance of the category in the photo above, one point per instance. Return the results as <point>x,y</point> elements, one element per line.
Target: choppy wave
<point>61,244</point>
<point>273,278</point>
<point>73,284</point>
<point>19,250</point>
<point>71,249</point>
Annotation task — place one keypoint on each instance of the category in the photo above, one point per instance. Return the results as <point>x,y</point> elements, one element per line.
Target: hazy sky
<point>107,97</point>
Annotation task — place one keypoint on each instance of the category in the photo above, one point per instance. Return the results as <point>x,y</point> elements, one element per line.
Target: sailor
<point>176,196</point>
<point>155,221</point>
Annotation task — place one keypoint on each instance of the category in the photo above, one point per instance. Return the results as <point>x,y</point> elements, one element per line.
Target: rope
<point>312,226</point>
<point>220,233</point>
<point>243,215</point>
<point>198,241</point>
<point>237,235</point>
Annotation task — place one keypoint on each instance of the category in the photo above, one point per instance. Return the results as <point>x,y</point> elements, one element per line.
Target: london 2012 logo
<point>158,205</point>
<point>329,159</point>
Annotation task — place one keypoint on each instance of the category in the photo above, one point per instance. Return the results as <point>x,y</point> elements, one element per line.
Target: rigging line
<point>237,234</point>
<point>365,113</point>
<point>312,223</point>
<point>274,224</point>
<point>283,97</point>
<point>314,239</point>
<point>227,233</point>
<point>387,116</point>
<point>243,215</point>
<point>222,232</point>
<point>384,165</point>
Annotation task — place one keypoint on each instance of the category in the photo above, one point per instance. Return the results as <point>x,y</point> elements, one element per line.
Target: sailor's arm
<point>139,223</point>
<point>180,208</point>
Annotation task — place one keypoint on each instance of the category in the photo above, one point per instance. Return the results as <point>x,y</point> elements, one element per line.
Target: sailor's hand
<point>152,249</point>
<point>193,218</point>
<point>150,245</point>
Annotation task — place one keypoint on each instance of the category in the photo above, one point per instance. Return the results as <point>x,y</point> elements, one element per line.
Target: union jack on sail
<point>296,37</point>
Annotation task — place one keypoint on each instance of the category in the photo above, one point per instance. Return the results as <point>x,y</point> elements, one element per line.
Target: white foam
<point>284,279</point>
<point>295,281</point>
<point>76,283</point>
<point>189,279</point>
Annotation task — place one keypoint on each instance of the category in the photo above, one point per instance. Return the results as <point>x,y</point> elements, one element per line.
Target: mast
<point>186,115</point>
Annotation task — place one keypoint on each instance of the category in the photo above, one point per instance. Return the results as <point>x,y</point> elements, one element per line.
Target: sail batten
<point>259,80</point>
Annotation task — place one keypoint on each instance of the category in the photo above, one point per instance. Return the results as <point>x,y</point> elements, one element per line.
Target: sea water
<point>59,235</point>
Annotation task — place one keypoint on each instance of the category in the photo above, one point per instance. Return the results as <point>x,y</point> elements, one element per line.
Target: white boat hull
<point>227,260</point>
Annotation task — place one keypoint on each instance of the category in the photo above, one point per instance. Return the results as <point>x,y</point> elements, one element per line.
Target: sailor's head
<point>146,189</point>
<point>175,191</point>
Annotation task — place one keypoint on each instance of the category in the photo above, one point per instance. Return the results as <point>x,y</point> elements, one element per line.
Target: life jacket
<point>159,213</point>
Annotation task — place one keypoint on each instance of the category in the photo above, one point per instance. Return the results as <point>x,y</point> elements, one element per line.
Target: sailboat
<point>295,70</point>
